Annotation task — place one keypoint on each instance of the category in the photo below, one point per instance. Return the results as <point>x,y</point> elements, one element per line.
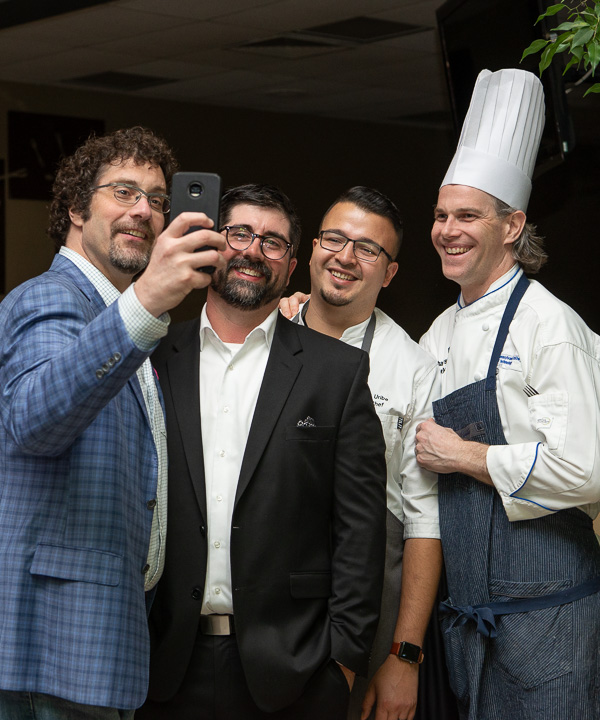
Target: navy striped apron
<point>522,620</point>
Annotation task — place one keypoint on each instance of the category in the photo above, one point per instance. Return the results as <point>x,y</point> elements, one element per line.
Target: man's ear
<point>392,269</point>
<point>76,218</point>
<point>293,263</point>
<point>515,223</point>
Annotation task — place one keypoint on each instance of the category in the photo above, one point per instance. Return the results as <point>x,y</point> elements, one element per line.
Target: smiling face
<point>339,278</point>
<point>475,245</point>
<point>118,238</point>
<point>250,280</point>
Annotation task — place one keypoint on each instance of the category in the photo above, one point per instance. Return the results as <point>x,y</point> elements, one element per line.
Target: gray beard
<point>128,260</point>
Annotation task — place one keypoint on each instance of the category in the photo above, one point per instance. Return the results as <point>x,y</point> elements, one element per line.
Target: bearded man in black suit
<point>272,583</point>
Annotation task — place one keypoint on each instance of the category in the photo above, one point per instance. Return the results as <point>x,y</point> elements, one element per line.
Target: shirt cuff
<point>144,329</point>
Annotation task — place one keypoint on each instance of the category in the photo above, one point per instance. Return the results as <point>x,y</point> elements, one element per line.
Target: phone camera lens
<point>196,189</point>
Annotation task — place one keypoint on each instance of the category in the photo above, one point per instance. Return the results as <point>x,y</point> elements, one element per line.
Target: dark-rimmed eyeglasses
<point>130,194</point>
<point>366,250</point>
<point>239,238</point>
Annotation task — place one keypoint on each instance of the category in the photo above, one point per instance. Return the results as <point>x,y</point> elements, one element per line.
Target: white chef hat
<point>501,136</point>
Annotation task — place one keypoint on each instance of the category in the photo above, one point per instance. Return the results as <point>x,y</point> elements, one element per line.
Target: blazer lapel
<point>281,372</point>
<point>184,382</point>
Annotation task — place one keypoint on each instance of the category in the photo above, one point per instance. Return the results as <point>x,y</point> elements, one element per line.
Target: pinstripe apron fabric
<point>543,664</point>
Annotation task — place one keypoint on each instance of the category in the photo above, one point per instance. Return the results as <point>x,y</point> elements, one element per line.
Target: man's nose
<point>142,208</point>
<point>346,255</point>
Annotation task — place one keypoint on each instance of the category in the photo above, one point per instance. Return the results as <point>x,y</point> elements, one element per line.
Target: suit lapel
<point>184,382</point>
<point>281,372</point>
<point>64,266</point>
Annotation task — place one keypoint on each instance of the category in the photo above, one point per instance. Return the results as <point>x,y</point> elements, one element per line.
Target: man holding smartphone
<point>272,585</point>
<point>82,438</point>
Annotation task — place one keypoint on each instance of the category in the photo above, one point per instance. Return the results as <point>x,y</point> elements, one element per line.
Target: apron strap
<point>509,313</point>
<point>485,615</point>
<point>367,337</point>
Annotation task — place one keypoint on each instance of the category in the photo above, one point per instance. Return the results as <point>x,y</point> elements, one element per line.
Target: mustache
<point>143,227</point>
<point>239,261</point>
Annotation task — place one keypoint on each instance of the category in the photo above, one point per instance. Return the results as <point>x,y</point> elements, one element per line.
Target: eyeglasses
<point>239,238</point>
<point>363,249</point>
<point>130,194</point>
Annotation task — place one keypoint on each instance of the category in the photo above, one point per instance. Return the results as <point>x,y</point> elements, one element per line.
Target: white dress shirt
<point>230,380</point>
<point>548,395</point>
<point>145,330</point>
<point>403,382</point>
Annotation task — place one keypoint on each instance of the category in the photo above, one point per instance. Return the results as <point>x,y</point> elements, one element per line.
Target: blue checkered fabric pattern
<point>78,474</point>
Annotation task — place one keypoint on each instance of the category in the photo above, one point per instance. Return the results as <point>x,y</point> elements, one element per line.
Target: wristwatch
<point>408,652</point>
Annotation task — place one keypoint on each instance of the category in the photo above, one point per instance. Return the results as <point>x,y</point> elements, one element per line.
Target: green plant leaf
<point>535,46</point>
<point>569,26</point>
<point>552,10</point>
<point>582,37</point>
<point>594,54</point>
<point>577,52</point>
<point>547,56</point>
<point>593,89</point>
<point>572,61</point>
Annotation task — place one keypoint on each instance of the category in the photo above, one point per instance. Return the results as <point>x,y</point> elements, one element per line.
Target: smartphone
<point>197,192</point>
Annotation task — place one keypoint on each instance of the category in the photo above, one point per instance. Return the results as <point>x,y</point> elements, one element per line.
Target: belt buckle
<point>216,624</point>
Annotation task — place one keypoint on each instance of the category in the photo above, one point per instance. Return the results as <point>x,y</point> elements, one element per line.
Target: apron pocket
<point>455,659</point>
<point>536,646</point>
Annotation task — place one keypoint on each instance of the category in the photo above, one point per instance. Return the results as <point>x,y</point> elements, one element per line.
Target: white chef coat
<point>403,381</point>
<point>548,394</point>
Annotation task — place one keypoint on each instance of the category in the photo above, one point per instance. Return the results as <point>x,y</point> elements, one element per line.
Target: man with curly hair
<point>82,439</point>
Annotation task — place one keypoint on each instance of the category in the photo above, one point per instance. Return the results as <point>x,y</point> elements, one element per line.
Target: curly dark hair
<point>78,174</point>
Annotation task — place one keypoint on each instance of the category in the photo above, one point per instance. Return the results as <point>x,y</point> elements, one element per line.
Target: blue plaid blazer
<point>77,468</point>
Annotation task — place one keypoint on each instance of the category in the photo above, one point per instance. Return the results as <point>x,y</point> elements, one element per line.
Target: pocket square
<point>309,422</point>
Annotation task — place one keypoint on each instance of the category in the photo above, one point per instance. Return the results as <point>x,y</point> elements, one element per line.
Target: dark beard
<point>334,299</point>
<point>243,294</point>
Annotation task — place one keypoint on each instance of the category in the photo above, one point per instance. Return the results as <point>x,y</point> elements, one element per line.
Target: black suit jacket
<point>308,531</point>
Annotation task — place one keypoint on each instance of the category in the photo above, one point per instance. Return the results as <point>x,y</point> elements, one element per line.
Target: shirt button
<point>225,409</point>
<point>217,544</point>
<point>230,366</point>
<point>219,498</point>
<point>222,453</point>
<point>217,591</point>
<point>151,504</point>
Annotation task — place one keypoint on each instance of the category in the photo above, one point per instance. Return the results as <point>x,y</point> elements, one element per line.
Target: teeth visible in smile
<point>248,271</point>
<point>457,250</point>
<point>341,276</point>
<point>136,233</point>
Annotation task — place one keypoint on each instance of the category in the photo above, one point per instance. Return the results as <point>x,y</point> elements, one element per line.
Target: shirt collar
<point>497,293</point>
<point>108,292</point>
<point>356,333</point>
<point>265,330</point>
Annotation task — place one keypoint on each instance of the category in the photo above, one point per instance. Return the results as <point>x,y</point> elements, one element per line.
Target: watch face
<point>409,652</point>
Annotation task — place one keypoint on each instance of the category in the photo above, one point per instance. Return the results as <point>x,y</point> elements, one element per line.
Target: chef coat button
<point>485,327</point>
<point>478,377</point>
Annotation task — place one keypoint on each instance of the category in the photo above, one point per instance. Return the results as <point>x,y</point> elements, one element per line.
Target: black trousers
<point>214,688</point>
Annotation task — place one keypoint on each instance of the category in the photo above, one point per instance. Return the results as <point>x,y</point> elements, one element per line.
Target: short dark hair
<point>267,196</point>
<point>528,248</point>
<point>373,201</point>
<point>78,173</point>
